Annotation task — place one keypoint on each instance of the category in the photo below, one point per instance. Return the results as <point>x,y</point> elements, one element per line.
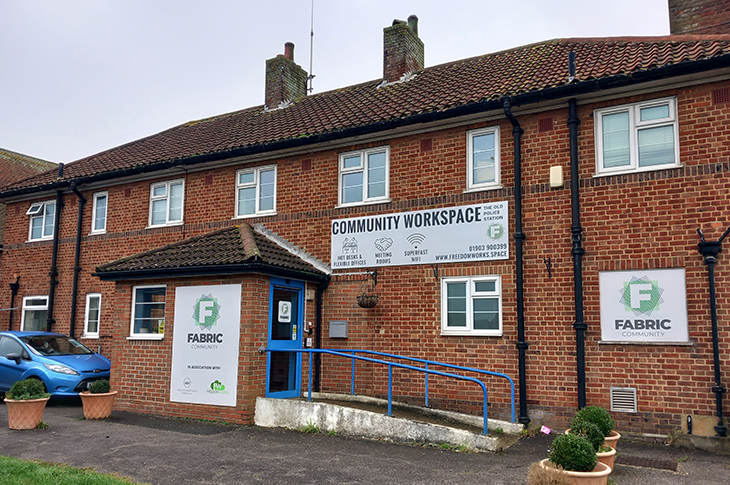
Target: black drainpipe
<point>710,250</point>
<point>517,132</point>
<point>576,232</point>
<point>53,273</point>
<point>14,287</point>
<point>77,268</point>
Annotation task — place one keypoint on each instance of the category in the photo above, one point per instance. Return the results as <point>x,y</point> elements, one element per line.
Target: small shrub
<point>43,425</point>
<point>310,428</point>
<point>598,416</point>
<point>589,431</point>
<point>574,453</point>
<point>548,475</point>
<point>101,386</point>
<point>27,389</point>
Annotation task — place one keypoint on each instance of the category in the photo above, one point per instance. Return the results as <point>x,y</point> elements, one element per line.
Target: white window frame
<point>168,184</point>
<point>141,335</point>
<point>471,295</point>
<point>87,332</point>
<point>635,125</point>
<point>94,229</point>
<point>257,185</point>
<point>470,184</point>
<point>364,168</point>
<point>37,210</point>
<point>27,307</point>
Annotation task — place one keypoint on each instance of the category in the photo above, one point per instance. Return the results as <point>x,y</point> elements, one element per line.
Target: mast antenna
<point>311,50</point>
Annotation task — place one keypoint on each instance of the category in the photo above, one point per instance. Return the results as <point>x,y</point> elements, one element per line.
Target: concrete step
<point>366,417</point>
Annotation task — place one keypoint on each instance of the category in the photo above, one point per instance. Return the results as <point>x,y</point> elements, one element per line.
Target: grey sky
<point>80,76</point>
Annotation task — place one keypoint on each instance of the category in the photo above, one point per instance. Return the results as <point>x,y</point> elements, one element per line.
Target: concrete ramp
<point>345,420</point>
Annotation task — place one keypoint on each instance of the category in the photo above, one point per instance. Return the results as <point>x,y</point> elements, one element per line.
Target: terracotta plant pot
<point>25,414</point>
<point>612,439</point>
<point>98,406</point>
<point>367,301</point>
<point>607,457</point>
<point>599,475</point>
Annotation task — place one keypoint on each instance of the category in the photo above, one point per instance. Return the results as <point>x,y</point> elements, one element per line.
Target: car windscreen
<point>56,345</point>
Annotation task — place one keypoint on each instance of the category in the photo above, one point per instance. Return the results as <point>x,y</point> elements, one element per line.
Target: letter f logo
<point>205,310</point>
<point>639,292</point>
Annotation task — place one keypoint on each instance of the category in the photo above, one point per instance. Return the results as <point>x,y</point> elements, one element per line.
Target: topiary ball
<point>597,416</point>
<point>589,431</point>
<point>573,453</point>
<point>100,387</point>
<point>27,389</point>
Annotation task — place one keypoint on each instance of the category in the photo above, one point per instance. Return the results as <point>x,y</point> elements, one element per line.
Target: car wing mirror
<point>14,356</point>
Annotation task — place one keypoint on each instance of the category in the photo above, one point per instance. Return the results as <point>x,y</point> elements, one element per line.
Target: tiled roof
<point>235,249</point>
<point>436,90</point>
<point>16,166</point>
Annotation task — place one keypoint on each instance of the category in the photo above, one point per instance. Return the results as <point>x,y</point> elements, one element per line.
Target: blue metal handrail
<point>442,364</point>
<point>390,374</point>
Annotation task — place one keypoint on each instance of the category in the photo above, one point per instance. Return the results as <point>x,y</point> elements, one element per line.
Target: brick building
<point>532,211</point>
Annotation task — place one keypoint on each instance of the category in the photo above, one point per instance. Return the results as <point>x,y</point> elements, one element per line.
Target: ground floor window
<point>35,313</point>
<point>148,312</point>
<point>91,318</point>
<point>471,305</point>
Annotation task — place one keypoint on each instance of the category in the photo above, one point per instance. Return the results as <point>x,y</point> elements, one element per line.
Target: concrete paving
<point>165,451</point>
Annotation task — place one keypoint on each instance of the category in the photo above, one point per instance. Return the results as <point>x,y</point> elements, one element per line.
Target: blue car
<point>65,365</point>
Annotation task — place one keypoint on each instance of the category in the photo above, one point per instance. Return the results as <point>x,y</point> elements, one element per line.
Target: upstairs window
<point>483,167</point>
<point>99,210</point>
<point>35,313</point>
<point>471,306</point>
<point>364,176</point>
<point>91,318</point>
<point>256,191</point>
<point>637,137</point>
<point>166,203</point>
<point>42,217</point>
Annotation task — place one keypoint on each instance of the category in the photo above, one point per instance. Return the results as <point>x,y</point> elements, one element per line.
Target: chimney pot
<point>413,23</point>
<point>289,50</point>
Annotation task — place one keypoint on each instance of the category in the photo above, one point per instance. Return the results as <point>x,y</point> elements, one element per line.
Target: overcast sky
<point>81,76</point>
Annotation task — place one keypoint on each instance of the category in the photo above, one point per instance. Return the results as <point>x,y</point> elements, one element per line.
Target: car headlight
<point>61,369</point>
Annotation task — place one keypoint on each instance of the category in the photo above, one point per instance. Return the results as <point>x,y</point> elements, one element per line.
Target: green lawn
<point>23,472</point>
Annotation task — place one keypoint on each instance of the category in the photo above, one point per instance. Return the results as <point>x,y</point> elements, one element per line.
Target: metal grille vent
<point>623,399</point>
<point>544,124</point>
<point>720,96</point>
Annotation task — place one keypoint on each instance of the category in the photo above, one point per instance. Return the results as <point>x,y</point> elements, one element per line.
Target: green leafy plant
<point>590,431</point>
<point>498,431</point>
<point>573,453</point>
<point>101,386</point>
<point>27,389</point>
<point>309,428</point>
<point>332,432</point>
<point>596,415</point>
<point>43,425</point>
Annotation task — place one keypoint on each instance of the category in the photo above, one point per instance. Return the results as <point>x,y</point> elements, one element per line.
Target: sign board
<point>205,345</point>
<point>641,306</point>
<point>284,311</point>
<point>478,232</point>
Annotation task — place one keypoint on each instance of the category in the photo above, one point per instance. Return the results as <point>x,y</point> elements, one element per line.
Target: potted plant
<point>365,300</point>
<point>592,433</point>
<point>98,400</point>
<point>577,458</point>
<point>26,401</point>
<point>601,418</point>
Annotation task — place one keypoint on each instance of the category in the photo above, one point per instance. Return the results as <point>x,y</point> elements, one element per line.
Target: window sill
<point>39,240</point>
<point>360,204</point>
<point>151,336</point>
<point>172,224</point>
<point>97,233</point>
<point>483,188</point>
<point>90,337</point>
<point>251,216</point>
<point>654,168</point>
<point>467,333</point>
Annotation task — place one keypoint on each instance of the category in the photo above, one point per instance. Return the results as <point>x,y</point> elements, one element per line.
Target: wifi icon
<point>416,239</point>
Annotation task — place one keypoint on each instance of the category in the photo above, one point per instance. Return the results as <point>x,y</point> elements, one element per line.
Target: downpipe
<point>77,256</point>
<point>53,273</point>
<point>522,345</point>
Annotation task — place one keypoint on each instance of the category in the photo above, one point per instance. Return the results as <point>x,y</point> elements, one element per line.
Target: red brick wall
<point>636,221</point>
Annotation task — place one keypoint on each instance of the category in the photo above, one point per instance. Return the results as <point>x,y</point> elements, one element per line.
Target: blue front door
<point>286,310</point>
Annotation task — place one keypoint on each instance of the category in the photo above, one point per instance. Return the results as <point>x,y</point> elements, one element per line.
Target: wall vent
<point>623,399</point>
<point>720,96</point>
<point>544,124</point>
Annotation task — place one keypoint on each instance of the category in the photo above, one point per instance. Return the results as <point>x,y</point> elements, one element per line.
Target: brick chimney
<point>699,16</point>
<point>285,80</point>
<point>402,49</point>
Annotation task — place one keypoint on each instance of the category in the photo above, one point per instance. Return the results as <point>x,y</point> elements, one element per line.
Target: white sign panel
<point>284,311</point>
<point>644,306</point>
<point>478,232</point>
<point>205,345</point>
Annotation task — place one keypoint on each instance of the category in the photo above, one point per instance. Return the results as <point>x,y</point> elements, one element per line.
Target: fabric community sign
<point>205,345</point>
<point>644,306</point>
<point>478,232</point>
